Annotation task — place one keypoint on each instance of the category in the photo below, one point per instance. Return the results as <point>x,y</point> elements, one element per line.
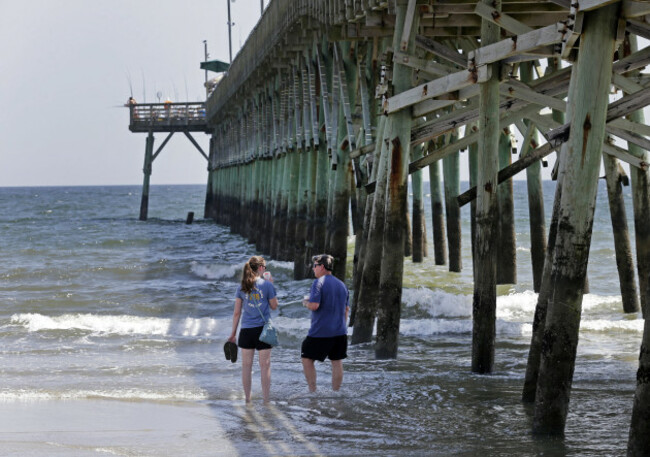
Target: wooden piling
<point>437,217</point>
<point>485,295</point>
<point>640,179</point>
<point>614,174</point>
<point>536,216</point>
<point>417,221</point>
<point>365,335</point>
<point>451,172</point>
<point>369,291</point>
<point>146,169</point>
<point>589,98</point>
<point>507,243</point>
<point>341,192</point>
<point>388,315</point>
<point>638,444</point>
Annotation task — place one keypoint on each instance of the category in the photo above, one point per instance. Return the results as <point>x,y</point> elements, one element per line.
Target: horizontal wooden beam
<point>633,8</point>
<point>518,44</point>
<point>624,155</point>
<point>590,5</point>
<point>501,19</point>
<point>437,87</point>
<point>441,50</point>
<point>638,28</point>
<point>619,108</point>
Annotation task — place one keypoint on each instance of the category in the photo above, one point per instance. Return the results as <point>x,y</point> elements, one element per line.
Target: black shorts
<point>334,348</point>
<point>249,338</point>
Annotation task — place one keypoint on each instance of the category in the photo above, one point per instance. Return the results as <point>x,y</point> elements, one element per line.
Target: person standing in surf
<point>328,302</point>
<point>255,296</point>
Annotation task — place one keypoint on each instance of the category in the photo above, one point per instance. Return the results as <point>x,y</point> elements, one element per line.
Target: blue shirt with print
<point>262,292</point>
<point>332,296</point>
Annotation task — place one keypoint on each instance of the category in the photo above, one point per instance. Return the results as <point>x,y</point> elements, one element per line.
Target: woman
<point>255,297</point>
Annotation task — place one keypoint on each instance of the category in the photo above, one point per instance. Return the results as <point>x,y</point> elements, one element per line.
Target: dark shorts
<point>334,348</point>
<point>249,338</point>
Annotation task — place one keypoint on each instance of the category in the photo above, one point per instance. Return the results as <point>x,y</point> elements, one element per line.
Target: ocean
<point>112,332</point>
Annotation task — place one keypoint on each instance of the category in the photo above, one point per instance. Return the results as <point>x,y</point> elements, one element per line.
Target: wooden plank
<point>624,155</point>
<point>589,5</point>
<point>638,28</point>
<point>426,65</point>
<point>518,44</point>
<point>520,90</point>
<point>640,141</point>
<point>633,62</point>
<point>428,106</point>
<point>632,127</point>
<point>504,21</point>
<point>633,8</point>
<point>363,150</point>
<point>441,50</point>
<point>437,87</point>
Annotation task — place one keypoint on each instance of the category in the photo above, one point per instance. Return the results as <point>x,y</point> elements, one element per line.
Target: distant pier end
<point>185,117</point>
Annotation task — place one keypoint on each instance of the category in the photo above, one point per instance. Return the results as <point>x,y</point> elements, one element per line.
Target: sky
<point>67,68</point>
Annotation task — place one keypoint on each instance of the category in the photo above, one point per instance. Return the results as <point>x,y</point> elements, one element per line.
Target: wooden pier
<point>332,104</point>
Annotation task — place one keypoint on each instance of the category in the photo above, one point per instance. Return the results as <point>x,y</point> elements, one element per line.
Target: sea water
<point>104,317</point>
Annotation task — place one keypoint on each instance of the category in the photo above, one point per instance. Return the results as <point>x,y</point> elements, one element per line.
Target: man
<point>328,334</point>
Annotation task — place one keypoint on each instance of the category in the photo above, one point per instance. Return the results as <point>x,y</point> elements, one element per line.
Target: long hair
<point>249,275</point>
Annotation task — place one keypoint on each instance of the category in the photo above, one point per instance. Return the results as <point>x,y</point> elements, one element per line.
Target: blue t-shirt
<point>332,296</point>
<point>262,292</point>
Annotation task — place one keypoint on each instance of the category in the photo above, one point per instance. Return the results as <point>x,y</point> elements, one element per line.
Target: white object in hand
<point>267,275</point>
<point>305,300</point>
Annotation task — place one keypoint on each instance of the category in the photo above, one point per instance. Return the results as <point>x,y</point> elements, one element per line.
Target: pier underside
<point>332,106</point>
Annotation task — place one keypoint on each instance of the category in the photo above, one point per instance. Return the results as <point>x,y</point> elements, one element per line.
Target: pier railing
<point>168,117</point>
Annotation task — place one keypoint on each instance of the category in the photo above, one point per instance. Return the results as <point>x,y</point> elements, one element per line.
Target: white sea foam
<point>438,303</point>
<point>124,325</point>
<point>29,395</point>
<point>425,327</point>
<point>215,271</point>
<point>603,325</point>
<point>516,306</point>
<point>273,264</point>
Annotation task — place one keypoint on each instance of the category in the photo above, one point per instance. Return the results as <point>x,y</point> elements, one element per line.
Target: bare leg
<point>246,369</point>
<point>310,373</point>
<point>265,372</point>
<point>337,374</point>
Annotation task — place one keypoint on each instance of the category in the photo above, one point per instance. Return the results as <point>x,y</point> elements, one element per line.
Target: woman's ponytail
<point>249,275</point>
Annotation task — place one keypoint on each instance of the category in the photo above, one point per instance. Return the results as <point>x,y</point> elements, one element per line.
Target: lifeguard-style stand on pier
<point>167,117</point>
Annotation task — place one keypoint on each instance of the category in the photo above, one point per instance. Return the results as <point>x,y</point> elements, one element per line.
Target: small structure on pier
<point>185,117</point>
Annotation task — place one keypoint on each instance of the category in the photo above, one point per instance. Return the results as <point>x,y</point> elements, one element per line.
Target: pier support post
<point>148,162</point>
<point>437,217</point>
<point>507,249</point>
<point>537,222</point>
<point>369,292</point>
<point>417,221</point>
<point>638,444</point>
<point>625,265</point>
<point>640,179</point>
<point>347,75</point>
<point>388,315</point>
<point>451,172</point>
<point>208,208</point>
<point>588,95</point>
<point>363,248</point>
<point>484,302</point>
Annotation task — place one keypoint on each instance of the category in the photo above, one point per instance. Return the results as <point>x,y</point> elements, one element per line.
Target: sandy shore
<point>75,428</point>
